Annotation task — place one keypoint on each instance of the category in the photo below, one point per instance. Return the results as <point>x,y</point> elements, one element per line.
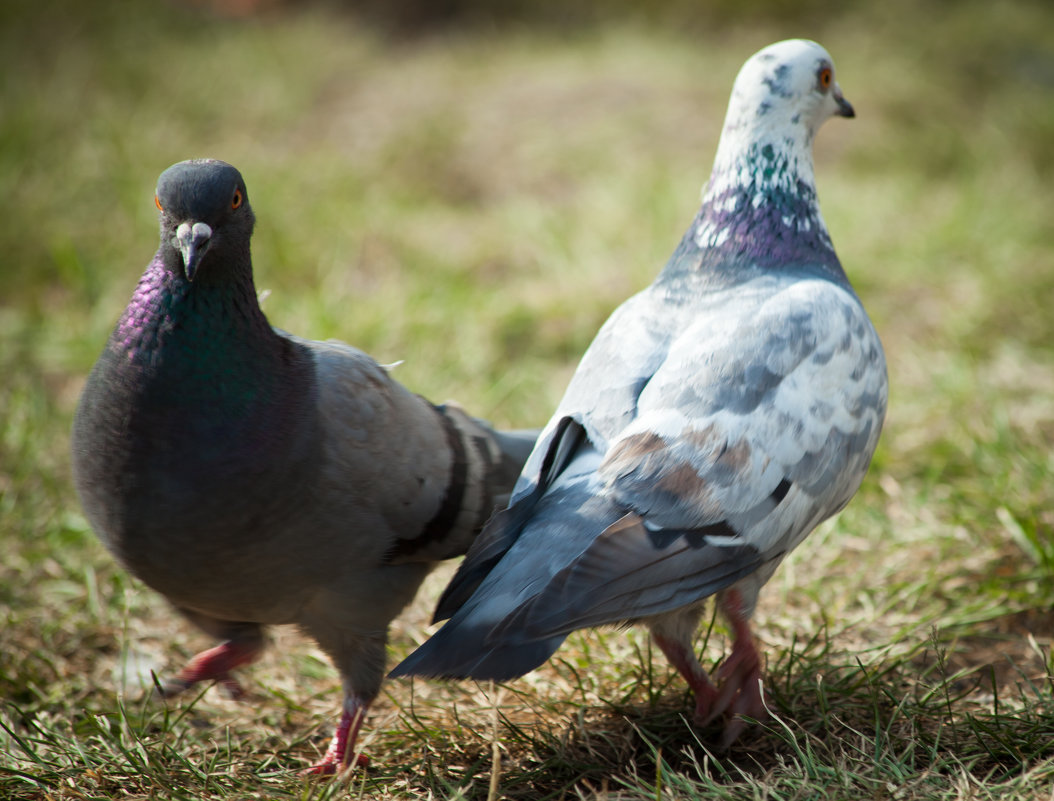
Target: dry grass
<point>476,202</point>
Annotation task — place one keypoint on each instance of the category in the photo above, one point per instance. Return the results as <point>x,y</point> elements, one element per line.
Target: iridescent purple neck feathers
<point>150,318</point>
<point>765,214</point>
<point>169,318</point>
<point>759,209</point>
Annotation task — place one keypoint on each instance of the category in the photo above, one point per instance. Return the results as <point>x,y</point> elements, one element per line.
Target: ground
<point>473,194</point>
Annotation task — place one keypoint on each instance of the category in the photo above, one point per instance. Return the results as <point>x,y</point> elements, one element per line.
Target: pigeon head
<point>779,100</point>
<point>760,207</point>
<point>205,210</point>
<point>786,87</point>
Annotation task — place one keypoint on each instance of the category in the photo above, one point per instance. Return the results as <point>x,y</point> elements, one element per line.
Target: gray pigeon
<point>254,478</point>
<point>716,419</point>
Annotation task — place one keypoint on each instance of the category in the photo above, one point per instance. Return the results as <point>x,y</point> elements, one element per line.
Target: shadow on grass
<point>955,708</point>
<point>928,719</point>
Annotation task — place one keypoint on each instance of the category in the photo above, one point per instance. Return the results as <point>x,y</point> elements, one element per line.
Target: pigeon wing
<point>753,430</point>
<point>554,450</point>
<point>625,353</point>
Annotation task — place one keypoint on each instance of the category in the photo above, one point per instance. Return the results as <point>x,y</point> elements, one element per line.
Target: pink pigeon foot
<point>740,692</point>
<point>215,664</point>
<point>341,752</point>
<point>737,694</point>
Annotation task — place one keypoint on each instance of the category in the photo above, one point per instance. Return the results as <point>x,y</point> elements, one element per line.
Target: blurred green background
<point>472,187</point>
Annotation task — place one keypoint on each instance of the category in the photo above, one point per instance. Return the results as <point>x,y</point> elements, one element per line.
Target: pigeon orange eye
<point>825,78</point>
<point>236,201</point>
<point>157,202</point>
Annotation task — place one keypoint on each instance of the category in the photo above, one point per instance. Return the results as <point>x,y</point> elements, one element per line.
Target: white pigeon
<point>718,417</point>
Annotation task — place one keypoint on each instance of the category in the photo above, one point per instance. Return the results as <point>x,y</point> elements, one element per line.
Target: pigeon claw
<point>748,703</point>
<point>341,756</point>
<point>331,766</point>
<point>215,664</point>
<point>740,694</point>
<point>231,687</point>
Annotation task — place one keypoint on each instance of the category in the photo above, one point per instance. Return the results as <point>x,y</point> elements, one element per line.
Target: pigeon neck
<point>759,209</point>
<point>171,319</point>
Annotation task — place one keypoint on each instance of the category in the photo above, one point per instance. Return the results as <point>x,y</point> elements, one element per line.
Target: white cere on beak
<point>192,239</point>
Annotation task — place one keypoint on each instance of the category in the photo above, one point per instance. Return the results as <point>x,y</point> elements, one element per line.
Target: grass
<point>475,200</point>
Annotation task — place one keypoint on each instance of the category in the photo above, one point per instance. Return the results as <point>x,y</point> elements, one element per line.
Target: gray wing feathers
<point>573,566</point>
<point>806,407</point>
<point>629,572</point>
<point>410,460</point>
<point>443,658</point>
<point>551,454</point>
<point>699,459</point>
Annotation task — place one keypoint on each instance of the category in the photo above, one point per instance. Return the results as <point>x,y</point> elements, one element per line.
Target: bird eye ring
<point>157,202</point>
<point>236,201</point>
<point>825,77</point>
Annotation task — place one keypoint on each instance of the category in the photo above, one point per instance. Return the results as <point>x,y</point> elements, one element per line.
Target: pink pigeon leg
<point>681,657</point>
<point>215,664</point>
<point>342,746</point>
<point>739,677</point>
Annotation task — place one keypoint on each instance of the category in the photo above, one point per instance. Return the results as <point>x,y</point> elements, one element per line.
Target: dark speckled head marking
<point>759,208</point>
<point>776,81</point>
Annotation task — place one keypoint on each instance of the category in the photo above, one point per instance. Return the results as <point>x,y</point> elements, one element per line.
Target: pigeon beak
<point>193,240</point>
<point>845,108</point>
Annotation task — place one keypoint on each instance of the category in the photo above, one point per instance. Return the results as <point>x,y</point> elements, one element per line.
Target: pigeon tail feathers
<point>554,450</point>
<point>457,651</point>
